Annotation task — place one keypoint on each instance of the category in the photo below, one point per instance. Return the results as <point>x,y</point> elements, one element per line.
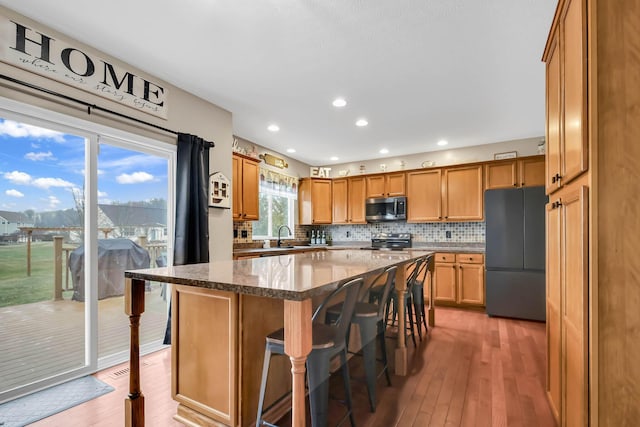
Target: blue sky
<point>40,169</point>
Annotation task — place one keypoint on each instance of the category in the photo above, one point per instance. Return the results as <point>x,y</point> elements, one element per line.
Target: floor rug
<point>42,404</point>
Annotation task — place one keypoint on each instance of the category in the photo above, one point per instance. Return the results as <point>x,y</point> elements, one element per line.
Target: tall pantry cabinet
<point>593,179</point>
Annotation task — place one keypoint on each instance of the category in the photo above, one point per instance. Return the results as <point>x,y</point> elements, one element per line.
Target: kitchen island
<point>221,312</point>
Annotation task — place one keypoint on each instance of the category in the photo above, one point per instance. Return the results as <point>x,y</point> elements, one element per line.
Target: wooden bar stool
<point>328,341</point>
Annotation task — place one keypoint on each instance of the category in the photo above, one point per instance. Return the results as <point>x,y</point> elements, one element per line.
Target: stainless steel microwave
<point>386,209</point>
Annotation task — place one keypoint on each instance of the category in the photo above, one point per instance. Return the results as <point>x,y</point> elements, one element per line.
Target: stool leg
<point>263,384</point>
<point>411,324</point>
<point>347,385</point>
<point>318,376</point>
<point>383,348</point>
<point>368,334</point>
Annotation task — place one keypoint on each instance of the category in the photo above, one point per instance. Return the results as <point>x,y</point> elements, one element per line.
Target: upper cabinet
<point>424,194</point>
<point>314,201</point>
<point>386,184</point>
<point>348,200</point>
<point>449,194</point>
<point>245,181</point>
<point>463,198</point>
<point>566,95</point>
<point>525,172</point>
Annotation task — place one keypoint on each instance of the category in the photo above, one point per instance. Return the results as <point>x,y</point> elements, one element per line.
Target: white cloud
<point>46,183</point>
<point>17,177</point>
<point>36,157</point>
<point>102,193</point>
<point>134,178</point>
<point>13,193</point>
<point>21,130</point>
<point>53,202</point>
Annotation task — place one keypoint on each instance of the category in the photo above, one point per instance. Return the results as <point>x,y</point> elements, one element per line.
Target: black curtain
<point>191,244</point>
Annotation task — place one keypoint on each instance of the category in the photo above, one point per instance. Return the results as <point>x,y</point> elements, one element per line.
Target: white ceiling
<point>468,71</point>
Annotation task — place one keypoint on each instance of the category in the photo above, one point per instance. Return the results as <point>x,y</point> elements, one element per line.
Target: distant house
<point>11,221</point>
<point>134,221</point>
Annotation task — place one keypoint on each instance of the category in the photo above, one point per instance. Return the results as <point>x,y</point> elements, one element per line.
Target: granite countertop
<point>467,247</point>
<point>293,277</point>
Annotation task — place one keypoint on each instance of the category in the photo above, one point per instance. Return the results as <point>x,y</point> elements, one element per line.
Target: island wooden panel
<point>203,361</point>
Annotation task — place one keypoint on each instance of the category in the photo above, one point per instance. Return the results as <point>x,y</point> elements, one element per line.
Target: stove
<point>390,241</point>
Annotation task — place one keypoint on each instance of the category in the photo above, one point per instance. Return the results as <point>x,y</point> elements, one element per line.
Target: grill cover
<point>114,257</point>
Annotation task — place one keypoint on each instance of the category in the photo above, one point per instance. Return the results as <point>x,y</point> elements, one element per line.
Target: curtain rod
<point>90,106</point>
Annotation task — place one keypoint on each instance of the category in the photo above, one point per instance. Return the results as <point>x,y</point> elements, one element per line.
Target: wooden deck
<point>46,338</point>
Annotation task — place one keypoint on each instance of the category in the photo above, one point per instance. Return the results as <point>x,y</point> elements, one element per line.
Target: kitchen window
<point>277,199</point>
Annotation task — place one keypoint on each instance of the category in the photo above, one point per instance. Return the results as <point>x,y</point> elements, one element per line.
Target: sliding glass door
<point>79,204</point>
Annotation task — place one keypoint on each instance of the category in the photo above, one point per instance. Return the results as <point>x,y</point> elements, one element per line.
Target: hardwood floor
<point>472,371</point>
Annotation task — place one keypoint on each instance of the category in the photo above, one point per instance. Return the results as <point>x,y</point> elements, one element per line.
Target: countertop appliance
<point>390,241</point>
<point>379,209</point>
<point>515,252</point>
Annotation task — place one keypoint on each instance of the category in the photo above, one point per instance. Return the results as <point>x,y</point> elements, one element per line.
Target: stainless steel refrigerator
<point>515,252</point>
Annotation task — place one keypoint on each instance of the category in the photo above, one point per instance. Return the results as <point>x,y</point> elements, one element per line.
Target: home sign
<point>34,49</point>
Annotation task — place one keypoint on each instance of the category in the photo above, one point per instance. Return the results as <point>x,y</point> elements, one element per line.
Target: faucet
<point>279,230</point>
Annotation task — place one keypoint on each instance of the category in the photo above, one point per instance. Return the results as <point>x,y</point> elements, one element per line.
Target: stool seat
<point>323,336</point>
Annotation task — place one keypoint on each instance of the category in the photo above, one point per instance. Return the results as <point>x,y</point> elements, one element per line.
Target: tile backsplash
<point>468,232</point>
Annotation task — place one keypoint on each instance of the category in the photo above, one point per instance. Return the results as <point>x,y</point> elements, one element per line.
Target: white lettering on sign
<point>30,48</point>
<point>316,172</point>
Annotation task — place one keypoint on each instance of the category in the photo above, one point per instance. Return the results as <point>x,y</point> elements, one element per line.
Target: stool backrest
<point>348,295</point>
<point>421,270</point>
<point>417,264</point>
<point>388,285</point>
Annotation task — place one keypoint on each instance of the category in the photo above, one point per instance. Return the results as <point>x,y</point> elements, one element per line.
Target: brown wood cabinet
<point>567,298</point>
<point>525,172</point>
<point>459,279</point>
<point>386,184</point>
<point>448,194</point>
<point>228,330</point>
<point>424,195</point>
<point>567,96</point>
<point>593,92</point>
<point>245,180</point>
<point>349,200</point>
<point>463,197</point>
<point>314,201</point>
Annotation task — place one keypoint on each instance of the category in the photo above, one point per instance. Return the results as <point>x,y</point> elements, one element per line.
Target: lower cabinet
<point>459,279</point>
<point>217,352</point>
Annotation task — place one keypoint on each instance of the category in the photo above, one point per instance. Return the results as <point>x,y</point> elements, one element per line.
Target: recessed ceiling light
<point>442,142</point>
<point>339,102</point>
<point>334,158</point>
<point>361,122</point>
<point>384,151</point>
<point>291,150</point>
<point>274,128</point>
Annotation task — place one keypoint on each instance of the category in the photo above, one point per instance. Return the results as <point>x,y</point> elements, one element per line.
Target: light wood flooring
<point>472,371</point>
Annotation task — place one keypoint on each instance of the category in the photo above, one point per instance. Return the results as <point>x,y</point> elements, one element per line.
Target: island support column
<point>297,345</point>
<point>134,307</point>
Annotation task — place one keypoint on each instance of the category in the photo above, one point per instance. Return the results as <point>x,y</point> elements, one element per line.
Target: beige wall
<point>295,168</point>
<point>478,153</point>
<point>186,113</point>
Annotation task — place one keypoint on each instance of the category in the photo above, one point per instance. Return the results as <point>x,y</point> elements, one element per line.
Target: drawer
<point>470,258</point>
<point>445,257</point>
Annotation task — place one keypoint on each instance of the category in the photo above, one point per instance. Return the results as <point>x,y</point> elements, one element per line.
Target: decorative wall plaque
<point>274,161</point>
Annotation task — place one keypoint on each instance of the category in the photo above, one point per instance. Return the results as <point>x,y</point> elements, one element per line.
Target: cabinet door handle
<point>515,184</point>
<point>522,184</point>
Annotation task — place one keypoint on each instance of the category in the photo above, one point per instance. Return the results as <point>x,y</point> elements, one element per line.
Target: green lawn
<point>15,286</point>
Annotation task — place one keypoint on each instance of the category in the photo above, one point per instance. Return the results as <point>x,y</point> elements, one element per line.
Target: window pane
<point>261,227</point>
<point>279,213</point>
<point>42,231</point>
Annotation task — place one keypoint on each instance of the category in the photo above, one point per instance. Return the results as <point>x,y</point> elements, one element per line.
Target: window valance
<point>278,183</point>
